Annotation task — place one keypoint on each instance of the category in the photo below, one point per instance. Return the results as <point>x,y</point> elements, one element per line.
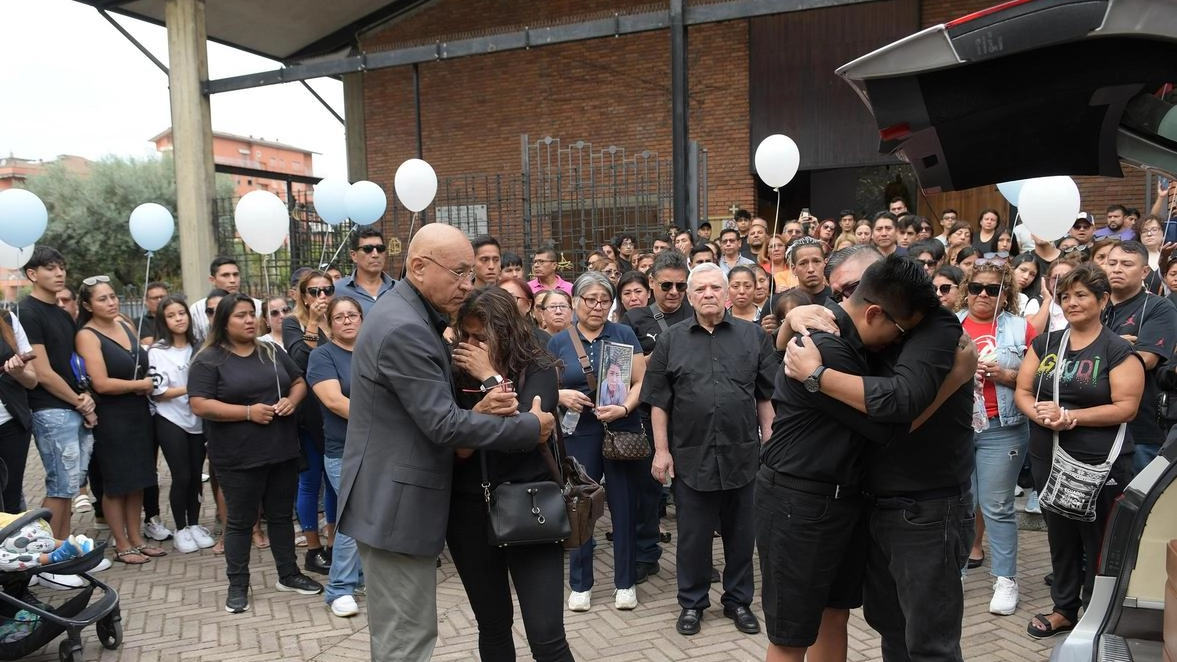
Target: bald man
<point>401,437</point>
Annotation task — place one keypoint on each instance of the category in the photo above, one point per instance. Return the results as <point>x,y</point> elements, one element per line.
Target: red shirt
<point>985,335</point>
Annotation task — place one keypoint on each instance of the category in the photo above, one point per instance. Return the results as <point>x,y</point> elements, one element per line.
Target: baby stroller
<point>27,623</point>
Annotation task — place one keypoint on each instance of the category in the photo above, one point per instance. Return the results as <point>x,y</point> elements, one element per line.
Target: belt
<point>921,495</point>
<point>832,490</point>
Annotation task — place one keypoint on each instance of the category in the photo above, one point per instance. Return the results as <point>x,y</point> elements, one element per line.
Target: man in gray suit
<point>404,428</point>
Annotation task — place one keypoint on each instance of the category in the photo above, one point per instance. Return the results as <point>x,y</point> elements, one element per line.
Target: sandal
<point>219,548</point>
<point>261,541</point>
<point>153,552</point>
<point>1048,631</point>
<point>125,556</point>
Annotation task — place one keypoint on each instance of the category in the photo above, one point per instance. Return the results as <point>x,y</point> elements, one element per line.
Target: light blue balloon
<point>1011,190</point>
<point>152,226</point>
<point>23,217</point>
<point>366,202</point>
<point>330,200</point>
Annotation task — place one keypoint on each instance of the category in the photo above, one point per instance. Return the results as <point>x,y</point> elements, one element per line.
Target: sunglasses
<point>1072,249</point>
<point>328,290</point>
<point>666,286</point>
<point>94,280</point>
<point>848,290</point>
<point>927,263</point>
<point>274,312</point>
<point>945,288</point>
<point>370,248</point>
<point>992,289</point>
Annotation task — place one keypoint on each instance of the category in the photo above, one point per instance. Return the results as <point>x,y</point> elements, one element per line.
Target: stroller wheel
<point>110,632</point>
<point>68,651</point>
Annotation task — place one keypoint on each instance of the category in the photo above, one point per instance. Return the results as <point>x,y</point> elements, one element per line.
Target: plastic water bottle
<point>569,421</point>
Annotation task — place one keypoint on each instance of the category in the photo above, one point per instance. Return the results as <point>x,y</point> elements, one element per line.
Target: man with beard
<point>757,235</point>
<point>1117,225</point>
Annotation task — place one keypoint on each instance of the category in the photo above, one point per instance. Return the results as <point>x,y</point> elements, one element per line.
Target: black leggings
<point>184,453</point>
<point>14,450</point>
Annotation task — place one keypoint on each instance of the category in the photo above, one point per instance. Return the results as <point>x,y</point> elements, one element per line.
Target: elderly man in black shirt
<point>921,519</point>
<point>713,377</point>
<point>668,280</point>
<point>808,494</point>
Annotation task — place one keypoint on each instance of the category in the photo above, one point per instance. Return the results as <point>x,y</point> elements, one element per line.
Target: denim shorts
<point>65,445</point>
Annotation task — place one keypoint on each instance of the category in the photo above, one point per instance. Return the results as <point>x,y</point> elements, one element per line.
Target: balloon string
<point>775,219</point>
<point>343,243</point>
<point>139,333</point>
<point>265,276</point>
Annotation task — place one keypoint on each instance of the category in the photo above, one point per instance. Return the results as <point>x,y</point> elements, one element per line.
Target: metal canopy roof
<point>285,30</point>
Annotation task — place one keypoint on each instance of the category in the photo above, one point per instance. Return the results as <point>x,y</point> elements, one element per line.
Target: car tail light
<point>984,12</point>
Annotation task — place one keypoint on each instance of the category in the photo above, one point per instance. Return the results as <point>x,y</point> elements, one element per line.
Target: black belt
<point>832,490</point>
<point>921,495</point>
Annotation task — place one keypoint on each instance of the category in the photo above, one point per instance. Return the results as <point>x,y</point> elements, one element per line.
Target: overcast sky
<point>71,84</point>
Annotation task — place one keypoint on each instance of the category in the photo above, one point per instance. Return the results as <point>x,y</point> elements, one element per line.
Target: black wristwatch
<point>813,382</point>
<point>492,382</point>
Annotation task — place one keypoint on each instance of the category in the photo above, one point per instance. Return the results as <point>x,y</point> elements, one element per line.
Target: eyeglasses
<point>602,303</point>
<point>345,317</point>
<point>209,311</point>
<point>992,289</point>
<point>945,288</point>
<point>902,331</point>
<point>462,276</point>
<point>156,297</point>
<point>284,310</point>
<point>328,290</point>
<point>668,285</point>
<point>1151,231</point>
<point>847,290</point>
<point>94,280</point>
<point>1072,249</point>
<point>998,259</point>
<point>556,307</point>
<point>370,248</point>
<point>540,260</point>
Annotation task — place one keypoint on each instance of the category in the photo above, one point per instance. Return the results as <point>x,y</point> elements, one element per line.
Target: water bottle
<point>569,421</point>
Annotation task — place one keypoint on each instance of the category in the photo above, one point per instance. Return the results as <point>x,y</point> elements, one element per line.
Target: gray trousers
<point>402,604</point>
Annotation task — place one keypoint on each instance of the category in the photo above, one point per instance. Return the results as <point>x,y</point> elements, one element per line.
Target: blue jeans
<point>309,482</point>
<point>1145,454</point>
<point>1000,452</point>
<point>624,481</point>
<point>346,573</point>
<point>65,446</point>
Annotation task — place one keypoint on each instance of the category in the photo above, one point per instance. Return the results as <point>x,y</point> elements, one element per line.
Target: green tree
<point>89,214</point>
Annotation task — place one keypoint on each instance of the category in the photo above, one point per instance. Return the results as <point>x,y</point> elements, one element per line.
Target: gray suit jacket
<point>404,427</point>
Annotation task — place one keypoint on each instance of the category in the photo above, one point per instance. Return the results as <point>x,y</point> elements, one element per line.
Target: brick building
<point>747,78</point>
<point>258,155</point>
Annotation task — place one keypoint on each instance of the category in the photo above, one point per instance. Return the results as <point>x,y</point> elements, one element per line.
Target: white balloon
<point>1049,205</point>
<point>262,221</point>
<point>152,226</point>
<point>14,258</point>
<point>777,160</point>
<point>415,184</point>
<point>329,200</point>
<point>23,217</point>
<point>365,202</point>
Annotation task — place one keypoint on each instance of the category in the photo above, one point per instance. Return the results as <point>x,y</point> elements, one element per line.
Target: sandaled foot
<point>219,547</point>
<point>1043,626</point>
<point>152,551</point>
<point>131,556</point>
<point>261,541</point>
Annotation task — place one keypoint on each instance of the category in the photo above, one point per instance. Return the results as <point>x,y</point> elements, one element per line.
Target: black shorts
<point>812,557</point>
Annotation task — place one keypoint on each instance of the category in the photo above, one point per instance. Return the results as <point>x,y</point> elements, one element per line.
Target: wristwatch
<point>813,382</point>
<point>492,382</point>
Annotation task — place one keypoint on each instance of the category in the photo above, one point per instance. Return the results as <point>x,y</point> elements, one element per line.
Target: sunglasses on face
<point>370,248</point>
<point>992,289</point>
<point>666,286</point>
<point>1072,249</point>
<point>847,290</point>
<point>328,290</point>
<point>927,263</point>
<point>945,288</point>
<point>284,310</point>
<point>94,280</point>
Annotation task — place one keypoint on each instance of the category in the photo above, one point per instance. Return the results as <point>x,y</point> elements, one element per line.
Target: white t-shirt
<point>200,318</point>
<point>169,368</point>
<point>22,346</point>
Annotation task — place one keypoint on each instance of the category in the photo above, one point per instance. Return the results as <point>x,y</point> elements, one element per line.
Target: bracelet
<point>626,409</point>
<point>310,337</point>
<point>247,418</point>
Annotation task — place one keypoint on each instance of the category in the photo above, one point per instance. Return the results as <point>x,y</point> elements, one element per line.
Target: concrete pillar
<point>354,131</point>
<point>192,139</point>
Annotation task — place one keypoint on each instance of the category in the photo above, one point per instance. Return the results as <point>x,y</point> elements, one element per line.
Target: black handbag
<point>529,513</point>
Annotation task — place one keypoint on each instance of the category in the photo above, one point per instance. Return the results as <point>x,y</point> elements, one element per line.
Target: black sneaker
<point>317,561</point>
<point>299,583</point>
<point>238,600</point>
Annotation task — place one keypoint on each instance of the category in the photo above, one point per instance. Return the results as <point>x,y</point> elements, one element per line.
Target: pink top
<point>561,284</point>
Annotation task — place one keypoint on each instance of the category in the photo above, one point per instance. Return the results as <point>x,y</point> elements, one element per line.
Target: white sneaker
<point>1005,597</point>
<point>104,564</point>
<point>183,542</point>
<point>154,529</point>
<point>203,538</point>
<point>344,606</point>
<point>625,598</point>
<point>1032,505</point>
<point>61,582</point>
<point>1019,491</point>
<point>83,504</point>
<point>580,600</point>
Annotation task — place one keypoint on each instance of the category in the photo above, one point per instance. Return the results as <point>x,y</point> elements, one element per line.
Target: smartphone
<point>805,212</point>
<point>1163,182</point>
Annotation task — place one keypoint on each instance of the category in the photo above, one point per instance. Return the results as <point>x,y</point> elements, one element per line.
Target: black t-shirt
<point>1153,320</point>
<point>221,375</point>
<point>1083,382</point>
<point>50,326</point>
<point>642,321</point>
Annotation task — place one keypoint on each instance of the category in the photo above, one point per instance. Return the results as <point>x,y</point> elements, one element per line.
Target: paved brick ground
<point>173,610</point>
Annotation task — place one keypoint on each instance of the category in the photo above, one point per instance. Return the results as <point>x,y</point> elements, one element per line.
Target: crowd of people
<point>858,400</point>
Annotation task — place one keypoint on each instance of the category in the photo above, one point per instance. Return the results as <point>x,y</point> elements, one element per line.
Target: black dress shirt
<point>814,436</point>
<point>642,321</point>
<point>710,383</point>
